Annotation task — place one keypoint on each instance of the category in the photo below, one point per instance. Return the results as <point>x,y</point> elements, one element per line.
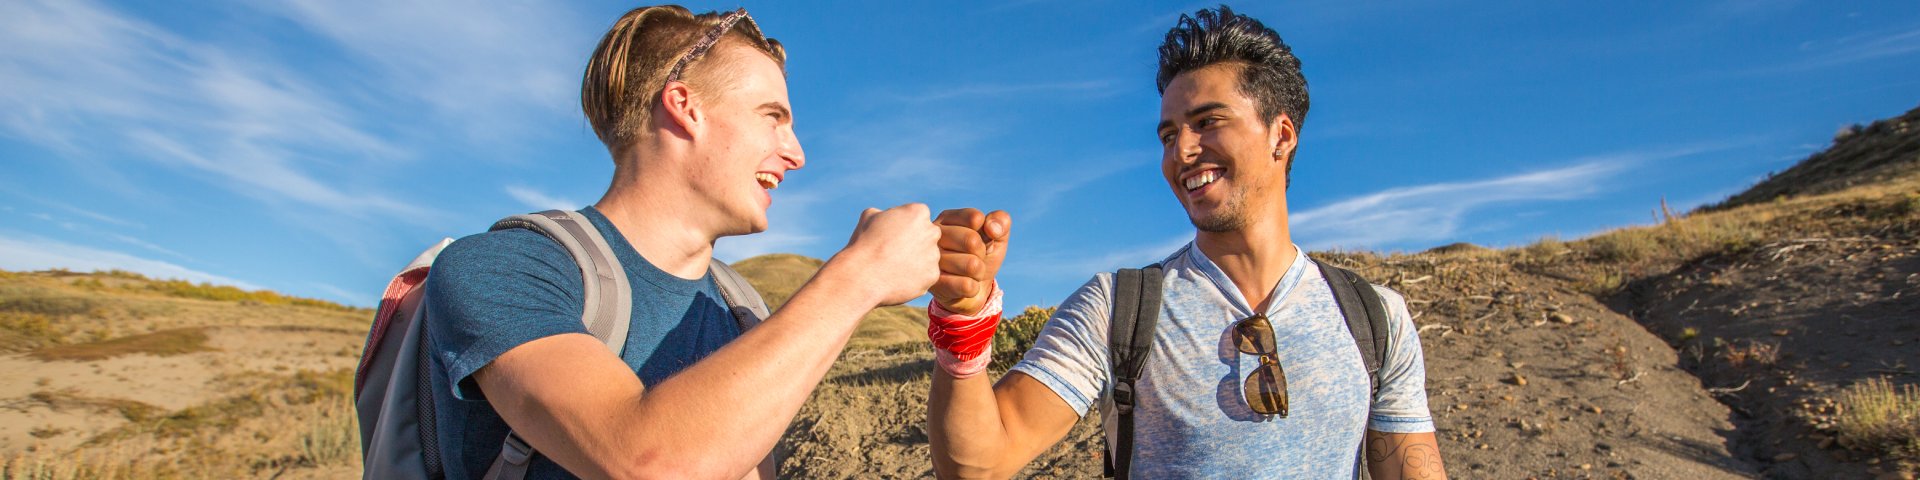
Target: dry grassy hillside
<point>112,375</point>
<point>777,276</point>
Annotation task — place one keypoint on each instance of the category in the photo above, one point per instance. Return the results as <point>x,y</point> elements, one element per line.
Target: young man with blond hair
<point>1251,370</point>
<point>694,110</point>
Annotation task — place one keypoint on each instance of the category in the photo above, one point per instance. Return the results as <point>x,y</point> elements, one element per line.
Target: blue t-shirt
<point>1190,419</point>
<point>494,291</point>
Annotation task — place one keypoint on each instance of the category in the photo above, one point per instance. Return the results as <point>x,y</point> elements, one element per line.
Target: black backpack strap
<point>1136,308</point>
<point>1367,320</point>
<point>1366,316</point>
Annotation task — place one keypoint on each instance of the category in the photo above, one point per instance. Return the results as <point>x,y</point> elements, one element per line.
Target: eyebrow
<point>777,107</point>
<point>1203,108</point>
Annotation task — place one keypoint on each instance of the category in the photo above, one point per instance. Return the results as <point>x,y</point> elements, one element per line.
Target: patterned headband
<point>706,43</point>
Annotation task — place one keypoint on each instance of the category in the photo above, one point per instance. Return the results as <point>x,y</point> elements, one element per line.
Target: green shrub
<point>1016,335</point>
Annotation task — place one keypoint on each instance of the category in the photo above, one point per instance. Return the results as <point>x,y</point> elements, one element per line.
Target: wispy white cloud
<point>1435,212</point>
<point>79,70</point>
<point>1046,191</point>
<point>35,253</point>
<point>131,240</point>
<point>1081,263</point>
<point>1851,49</point>
<point>540,200</point>
<point>495,67</point>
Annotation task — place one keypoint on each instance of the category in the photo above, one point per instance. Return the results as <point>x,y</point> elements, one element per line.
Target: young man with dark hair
<point>694,110</point>
<point>1251,369</point>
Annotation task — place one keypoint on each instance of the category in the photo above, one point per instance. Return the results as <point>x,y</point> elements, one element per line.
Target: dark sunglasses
<point>1266,388</point>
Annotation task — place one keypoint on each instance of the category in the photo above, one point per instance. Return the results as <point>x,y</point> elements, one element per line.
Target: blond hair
<point>630,66</point>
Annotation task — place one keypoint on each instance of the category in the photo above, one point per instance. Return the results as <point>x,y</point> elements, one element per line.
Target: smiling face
<point>1227,165</point>
<point>747,144</point>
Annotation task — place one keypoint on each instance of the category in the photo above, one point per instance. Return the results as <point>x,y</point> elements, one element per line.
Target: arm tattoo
<point>1388,454</point>
<point>1381,445</point>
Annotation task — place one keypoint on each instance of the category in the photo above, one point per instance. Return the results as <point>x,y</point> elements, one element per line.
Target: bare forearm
<point>736,403</point>
<point>963,426</point>
<point>1394,456</point>
<point>716,419</point>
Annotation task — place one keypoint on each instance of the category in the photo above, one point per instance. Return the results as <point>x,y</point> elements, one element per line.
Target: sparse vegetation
<point>1875,415</point>
<point>208,291</point>
<point>332,435</point>
<point>60,400</point>
<point>162,343</point>
<point>1752,353</point>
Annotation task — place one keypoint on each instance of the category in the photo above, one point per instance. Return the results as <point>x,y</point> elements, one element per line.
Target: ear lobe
<point>1283,136</point>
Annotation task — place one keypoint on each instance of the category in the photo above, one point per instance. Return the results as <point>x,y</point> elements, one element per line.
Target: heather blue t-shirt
<point>1190,418</point>
<point>494,291</point>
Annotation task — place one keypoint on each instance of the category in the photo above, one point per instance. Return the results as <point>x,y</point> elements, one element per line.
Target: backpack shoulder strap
<point>609,304</point>
<point>609,298</point>
<point>1135,309</point>
<point>745,303</point>
<point>1366,316</point>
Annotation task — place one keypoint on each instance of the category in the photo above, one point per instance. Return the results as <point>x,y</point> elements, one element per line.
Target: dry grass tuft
<point>1756,354</point>
<point>332,435</point>
<point>1876,416</point>
<point>162,343</point>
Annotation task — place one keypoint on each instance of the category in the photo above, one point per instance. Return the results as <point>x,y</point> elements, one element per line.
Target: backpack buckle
<point>1123,398</point>
<point>516,451</point>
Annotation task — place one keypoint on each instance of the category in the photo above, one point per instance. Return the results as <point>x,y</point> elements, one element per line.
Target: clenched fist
<point>893,252</point>
<point>972,246</point>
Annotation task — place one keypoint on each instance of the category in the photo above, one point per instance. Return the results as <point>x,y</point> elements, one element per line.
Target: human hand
<point>972,247</point>
<point>895,253</point>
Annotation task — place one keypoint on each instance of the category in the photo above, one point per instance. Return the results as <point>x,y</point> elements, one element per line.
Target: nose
<point>790,151</point>
<point>1186,144</point>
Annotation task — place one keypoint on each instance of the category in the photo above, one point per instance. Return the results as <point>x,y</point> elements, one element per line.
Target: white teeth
<point>767,180</point>
<point>1202,179</point>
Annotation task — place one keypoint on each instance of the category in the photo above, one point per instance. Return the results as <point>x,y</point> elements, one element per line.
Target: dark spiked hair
<point>1269,72</point>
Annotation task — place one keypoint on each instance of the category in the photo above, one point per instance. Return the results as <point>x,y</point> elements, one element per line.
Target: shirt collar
<point>1212,272</point>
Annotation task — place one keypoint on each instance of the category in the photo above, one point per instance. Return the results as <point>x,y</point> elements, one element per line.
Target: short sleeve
<point>1401,406</point>
<point>1070,354</point>
<point>491,292</point>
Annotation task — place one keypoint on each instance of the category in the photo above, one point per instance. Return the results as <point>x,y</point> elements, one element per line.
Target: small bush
<point>1016,335</point>
<point>1876,416</point>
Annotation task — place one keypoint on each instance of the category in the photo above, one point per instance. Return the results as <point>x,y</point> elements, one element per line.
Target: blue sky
<point>314,146</point>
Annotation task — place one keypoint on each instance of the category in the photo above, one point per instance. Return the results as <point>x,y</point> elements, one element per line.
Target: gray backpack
<point>1136,308</point>
<point>391,388</point>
